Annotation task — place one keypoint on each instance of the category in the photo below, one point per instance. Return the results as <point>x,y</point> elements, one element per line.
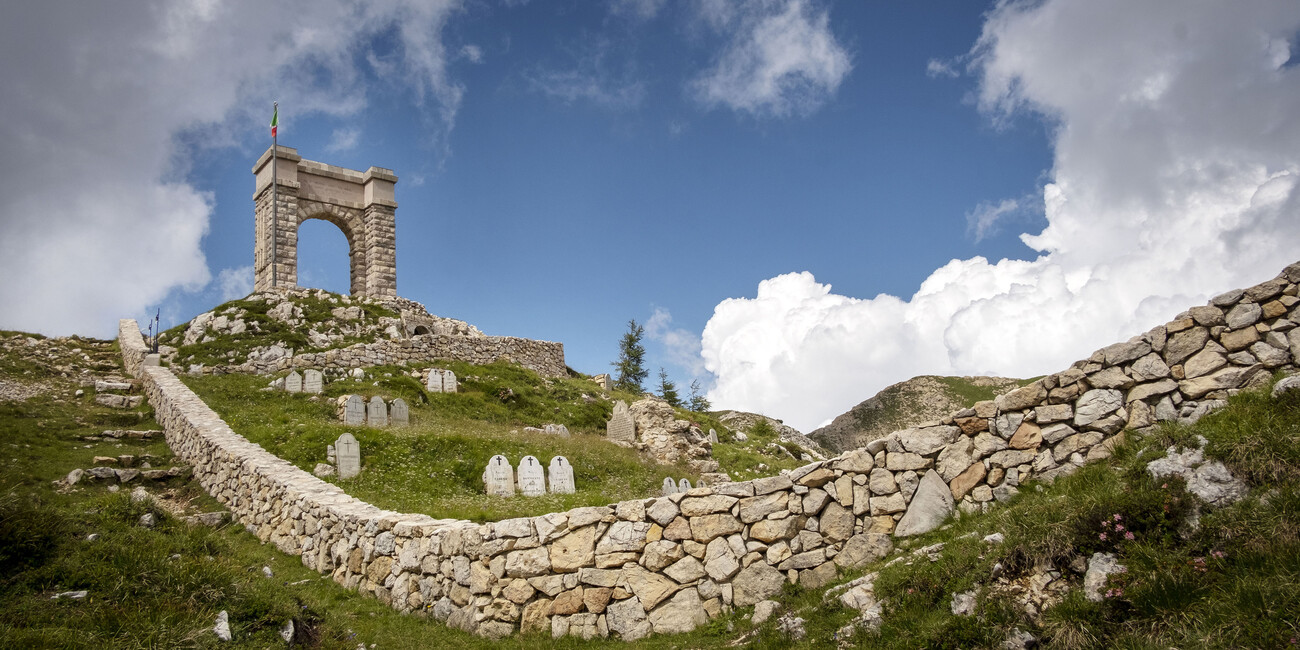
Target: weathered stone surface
<point>348,454</point>
<point>1022,398</point>
<point>682,613</point>
<point>881,482</point>
<point>987,443</point>
<point>621,427</point>
<point>662,511</point>
<point>819,576</point>
<point>499,477</point>
<point>687,569</point>
<point>1184,344</point>
<point>771,484</point>
<point>707,527</point>
<point>650,588</point>
<point>1121,353</point>
<point>837,522</point>
<point>967,480</point>
<point>1244,315</point>
<point>756,582</point>
<point>857,461</point>
<point>528,563</point>
<point>956,457</point>
<point>627,618</point>
<point>720,561</point>
<point>697,506</point>
<point>930,506</point>
<point>756,508</point>
<point>927,440</point>
<point>1100,568</point>
<point>531,477</point>
<point>1012,457</point>
<point>1147,368</point>
<point>901,461</point>
<point>1096,404</point>
<point>817,478</point>
<point>1204,362</point>
<point>560,474</point>
<point>864,549</point>
<point>1239,339</point>
<point>575,550</point>
<point>1146,391</point>
<point>1220,380</point>
<point>1028,435</point>
<point>624,537</point>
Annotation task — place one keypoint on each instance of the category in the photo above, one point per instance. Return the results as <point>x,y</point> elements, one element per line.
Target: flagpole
<point>275,195</point>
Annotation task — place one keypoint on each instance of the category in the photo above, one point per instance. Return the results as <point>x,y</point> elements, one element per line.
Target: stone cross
<point>532,477</point>
<point>713,436</point>
<point>499,477</point>
<point>434,384</point>
<point>313,382</point>
<point>683,485</point>
<point>561,475</point>
<point>399,415</point>
<point>348,453</point>
<point>377,412</point>
<point>670,486</point>
<point>620,425</point>
<point>354,410</point>
<point>293,383</point>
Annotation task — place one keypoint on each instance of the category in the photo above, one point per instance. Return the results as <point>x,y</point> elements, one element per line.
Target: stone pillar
<point>286,236</point>
<point>381,233</point>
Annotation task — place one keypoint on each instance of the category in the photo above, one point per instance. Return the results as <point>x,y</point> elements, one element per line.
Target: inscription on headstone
<point>348,453</point>
<point>398,414</point>
<point>293,383</point>
<point>620,425</point>
<point>499,477</point>
<point>532,477</point>
<point>313,382</point>
<point>449,384</point>
<point>561,474</point>
<point>683,485</point>
<point>377,412</point>
<point>670,486</point>
<point>434,384</point>
<point>354,410</point>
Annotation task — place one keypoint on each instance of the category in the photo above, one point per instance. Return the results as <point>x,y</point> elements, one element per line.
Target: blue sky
<point>805,200</point>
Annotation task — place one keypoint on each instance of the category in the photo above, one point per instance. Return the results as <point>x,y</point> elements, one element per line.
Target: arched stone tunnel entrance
<point>361,204</point>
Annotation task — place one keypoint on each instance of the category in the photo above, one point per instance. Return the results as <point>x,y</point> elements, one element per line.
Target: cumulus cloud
<point>781,57</point>
<point>1176,136</point>
<point>681,346</point>
<point>343,140</point>
<point>102,100</point>
<point>988,217</point>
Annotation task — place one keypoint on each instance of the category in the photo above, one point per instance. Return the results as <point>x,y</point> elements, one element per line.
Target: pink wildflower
<point>1119,527</point>
<point>1128,535</point>
<point>1102,537</point>
<point>1117,517</point>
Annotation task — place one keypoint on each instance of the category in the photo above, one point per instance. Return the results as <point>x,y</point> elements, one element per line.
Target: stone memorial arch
<point>361,204</point>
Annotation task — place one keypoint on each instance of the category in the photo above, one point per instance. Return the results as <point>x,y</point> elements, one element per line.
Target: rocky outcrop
<point>668,440</point>
<point>905,404</point>
<point>744,422</point>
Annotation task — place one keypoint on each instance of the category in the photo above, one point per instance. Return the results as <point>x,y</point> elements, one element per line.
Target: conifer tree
<point>668,389</point>
<point>631,359</point>
<point>698,403</point>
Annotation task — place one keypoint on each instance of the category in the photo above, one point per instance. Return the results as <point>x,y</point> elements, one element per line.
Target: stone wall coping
<point>281,151</point>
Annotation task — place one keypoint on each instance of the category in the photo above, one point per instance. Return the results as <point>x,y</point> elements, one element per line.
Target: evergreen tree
<point>668,390</point>
<point>631,359</point>
<point>698,402</point>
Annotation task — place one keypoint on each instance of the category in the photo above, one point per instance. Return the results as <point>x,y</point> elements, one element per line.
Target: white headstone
<point>670,486</point>
<point>449,384</point>
<point>313,382</point>
<point>532,477</point>
<point>377,412</point>
<point>561,475</point>
<point>293,383</point>
<point>499,477</point>
<point>557,430</point>
<point>620,425</point>
<point>398,414</point>
<point>434,384</point>
<point>354,411</point>
<point>349,456</point>
<point>713,436</point>
<point>683,485</point>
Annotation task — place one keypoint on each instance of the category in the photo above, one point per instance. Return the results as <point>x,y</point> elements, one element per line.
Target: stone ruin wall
<point>668,564</point>
<point>546,358</point>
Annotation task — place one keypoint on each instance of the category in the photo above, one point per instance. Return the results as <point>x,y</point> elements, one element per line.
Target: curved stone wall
<point>668,564</point>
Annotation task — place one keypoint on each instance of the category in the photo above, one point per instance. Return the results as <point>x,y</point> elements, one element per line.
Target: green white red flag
<point>275,120</point>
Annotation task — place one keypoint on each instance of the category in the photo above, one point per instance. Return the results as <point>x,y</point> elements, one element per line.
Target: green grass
<point>968,393</point>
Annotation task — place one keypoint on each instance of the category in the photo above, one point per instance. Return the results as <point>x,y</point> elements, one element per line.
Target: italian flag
<point>275,120</point>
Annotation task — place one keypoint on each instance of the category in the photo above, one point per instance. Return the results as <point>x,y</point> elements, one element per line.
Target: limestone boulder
<point>931,505</point>
<point>756,582</point>
<point>682,613</point>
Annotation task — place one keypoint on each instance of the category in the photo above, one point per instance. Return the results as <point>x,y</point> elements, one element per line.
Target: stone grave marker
<point>348,453</point>
<point>670,486</point>
<point>354,410</point>
<point>620,425</point>
<point>561,475</point>
<point>683,485</point>
<point>499,477</point>
<point>532,477</point>
<point>377,412</point>
<point>449,384</point>
<point>434,384</point>
<point>713,436</point>
<point>398,414</point>
<point>313,382</point>
<point>557,430</point>
<point>293,383</point>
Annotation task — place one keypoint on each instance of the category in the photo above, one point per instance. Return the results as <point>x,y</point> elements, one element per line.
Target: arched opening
<point>324,257</point>
<point>420,329</point>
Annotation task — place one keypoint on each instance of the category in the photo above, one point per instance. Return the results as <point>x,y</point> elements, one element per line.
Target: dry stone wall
<point>669,564</point>
<point>546,358</point>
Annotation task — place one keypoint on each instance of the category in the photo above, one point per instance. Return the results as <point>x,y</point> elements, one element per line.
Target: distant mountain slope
<point>907,404</point>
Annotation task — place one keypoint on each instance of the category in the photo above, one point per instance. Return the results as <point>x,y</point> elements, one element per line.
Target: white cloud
<point>938,68</point>
<point>102,99</point>
<point>639,9</point>
<point>472,53</point>
<point>1176,137</point>
<point>343,140</point>
<point>592,79</point>
<point>235,283</point>
<point>987,217</point>
<point>681,346</point>
<point>781,58</point>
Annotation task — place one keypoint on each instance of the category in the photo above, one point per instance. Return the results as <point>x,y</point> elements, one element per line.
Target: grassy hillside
<point>1232,581</point>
